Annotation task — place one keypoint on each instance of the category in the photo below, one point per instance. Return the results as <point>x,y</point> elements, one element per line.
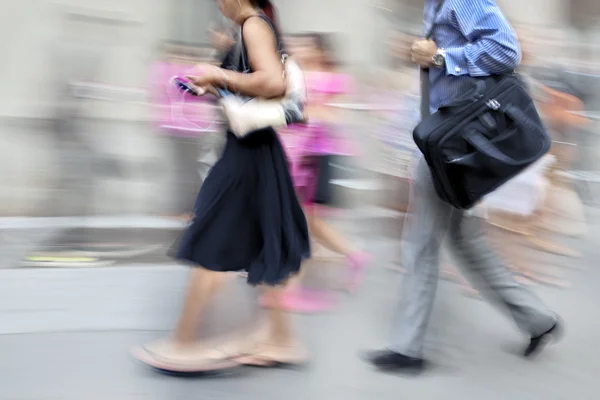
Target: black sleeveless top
<point>237,58</point>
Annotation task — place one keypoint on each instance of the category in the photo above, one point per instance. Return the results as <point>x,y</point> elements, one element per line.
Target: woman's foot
<point>358,262</point>
<point>303,301</point>
<point>270,355</point>
<point>260,348</point>
<point>170,356</point>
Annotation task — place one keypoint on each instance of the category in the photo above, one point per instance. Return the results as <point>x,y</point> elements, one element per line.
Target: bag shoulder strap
<point>241,53</point>
<point>425,71</point>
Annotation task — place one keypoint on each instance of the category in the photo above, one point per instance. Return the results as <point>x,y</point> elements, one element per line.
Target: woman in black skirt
<point>247,216</point>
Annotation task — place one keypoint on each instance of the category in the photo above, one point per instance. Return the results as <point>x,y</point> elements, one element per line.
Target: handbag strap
<point>240,52</point>
<point>240,57</point>
<point>425,100</point>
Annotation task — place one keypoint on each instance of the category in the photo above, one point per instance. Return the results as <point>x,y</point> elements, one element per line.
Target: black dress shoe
<point>391,361</point>
<point>537,343</point>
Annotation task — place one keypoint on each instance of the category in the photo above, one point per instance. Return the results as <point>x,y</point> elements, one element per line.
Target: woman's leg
<point>275,342</point>
<point>326,235</point>
<point>297,298</point>
<point>181,352</point>
<point>201,287</point>
<point>280,330</point>
<point>334,241</point>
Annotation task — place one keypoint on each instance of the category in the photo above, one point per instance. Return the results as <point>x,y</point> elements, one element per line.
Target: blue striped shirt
<point>478,41</point>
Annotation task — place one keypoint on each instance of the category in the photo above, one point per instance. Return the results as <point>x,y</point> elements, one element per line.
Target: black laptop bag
<point>481,140</point>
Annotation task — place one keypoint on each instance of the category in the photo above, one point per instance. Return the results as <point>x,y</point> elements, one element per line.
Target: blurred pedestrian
<point>183,121</point>
<point>470,38</point>
<point>247,216</point>
<point>312,149</point>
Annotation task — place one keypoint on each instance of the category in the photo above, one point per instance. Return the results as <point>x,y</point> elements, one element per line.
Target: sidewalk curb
<point>93,222</point>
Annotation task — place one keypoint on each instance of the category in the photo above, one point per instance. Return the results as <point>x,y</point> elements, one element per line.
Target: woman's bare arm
<point>266,80</point>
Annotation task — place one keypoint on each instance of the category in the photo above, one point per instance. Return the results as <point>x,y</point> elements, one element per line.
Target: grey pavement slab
<point>66,334</point>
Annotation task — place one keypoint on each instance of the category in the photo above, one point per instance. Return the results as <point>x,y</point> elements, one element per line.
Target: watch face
<point>438,60</point>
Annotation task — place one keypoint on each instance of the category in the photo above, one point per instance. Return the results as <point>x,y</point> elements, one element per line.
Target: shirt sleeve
<point>492,46</point>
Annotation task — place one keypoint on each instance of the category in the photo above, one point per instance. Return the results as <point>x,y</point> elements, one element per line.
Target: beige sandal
<point>165,356</point>
<point>267,355</point>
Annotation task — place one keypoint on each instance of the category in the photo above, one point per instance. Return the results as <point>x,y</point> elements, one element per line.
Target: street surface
<point>66,334</point>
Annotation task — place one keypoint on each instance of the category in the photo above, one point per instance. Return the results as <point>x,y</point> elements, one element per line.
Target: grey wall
<point>31,29</point>
<point>36,42</point>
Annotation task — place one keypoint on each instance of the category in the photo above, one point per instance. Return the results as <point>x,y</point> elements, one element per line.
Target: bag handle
<point>486,147</point>
<point>425,100</point>
<point>518,116</point>
<point>481,143</point>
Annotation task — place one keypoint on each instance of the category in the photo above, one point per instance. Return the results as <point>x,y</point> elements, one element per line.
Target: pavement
<point>66,334</point>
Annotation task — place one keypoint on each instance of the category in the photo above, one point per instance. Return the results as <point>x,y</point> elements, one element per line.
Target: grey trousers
<point>429,221</point>
<point>202,151</point>
<point>210,150</point>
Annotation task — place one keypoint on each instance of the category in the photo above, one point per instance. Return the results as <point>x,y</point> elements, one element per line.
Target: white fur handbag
<point>247,114</point>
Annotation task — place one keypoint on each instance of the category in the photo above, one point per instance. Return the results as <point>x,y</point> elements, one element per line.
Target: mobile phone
<point>186,86</point>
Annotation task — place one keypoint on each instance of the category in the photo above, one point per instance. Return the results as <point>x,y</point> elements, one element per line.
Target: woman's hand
<point>203,90</point>
<point>208,75</point>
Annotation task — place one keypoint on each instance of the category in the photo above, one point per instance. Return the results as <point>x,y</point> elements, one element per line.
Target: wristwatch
<point>439,59</point>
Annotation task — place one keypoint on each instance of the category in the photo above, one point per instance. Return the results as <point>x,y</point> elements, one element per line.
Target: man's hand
<point>422,52</point>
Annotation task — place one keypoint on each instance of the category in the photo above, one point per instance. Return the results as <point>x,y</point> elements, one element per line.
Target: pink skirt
<point>303,144</point>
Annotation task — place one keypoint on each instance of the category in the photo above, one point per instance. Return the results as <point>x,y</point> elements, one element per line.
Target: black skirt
<point>247,215</point>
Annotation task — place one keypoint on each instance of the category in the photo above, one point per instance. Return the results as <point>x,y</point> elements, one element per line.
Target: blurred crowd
<point>364,119</point>
<point>359,129</point>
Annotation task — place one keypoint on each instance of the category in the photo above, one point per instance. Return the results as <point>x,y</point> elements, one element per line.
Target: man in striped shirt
<point>470,38</point>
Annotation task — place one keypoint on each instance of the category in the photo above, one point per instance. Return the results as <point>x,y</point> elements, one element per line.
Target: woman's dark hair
<point>260,3</point>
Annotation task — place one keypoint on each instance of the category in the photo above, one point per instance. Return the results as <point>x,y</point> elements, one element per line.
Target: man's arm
<point>493,47</point>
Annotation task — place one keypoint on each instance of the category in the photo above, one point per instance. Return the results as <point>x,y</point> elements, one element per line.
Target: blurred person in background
<point>470,39</point>
<point>310,149</point>
<point>184,119</point>
<point>561,211</point>
<point>400,90</point>
<point>331,143</point>
<point>247,216</point>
